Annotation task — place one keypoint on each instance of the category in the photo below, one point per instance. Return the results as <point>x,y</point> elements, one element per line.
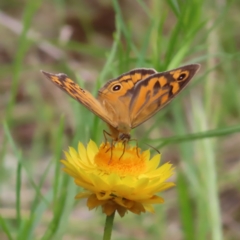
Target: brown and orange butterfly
<point>130,99</point>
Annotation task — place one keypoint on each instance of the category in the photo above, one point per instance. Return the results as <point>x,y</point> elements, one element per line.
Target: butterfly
<point>129,100</point>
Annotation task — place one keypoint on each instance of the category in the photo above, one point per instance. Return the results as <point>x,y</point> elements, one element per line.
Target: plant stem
<point>108,227</point>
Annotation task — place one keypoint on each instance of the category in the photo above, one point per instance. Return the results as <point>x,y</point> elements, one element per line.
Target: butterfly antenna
<point>153,148</point>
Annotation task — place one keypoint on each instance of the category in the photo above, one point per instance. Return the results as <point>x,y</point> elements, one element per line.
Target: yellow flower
<point>117,181</point>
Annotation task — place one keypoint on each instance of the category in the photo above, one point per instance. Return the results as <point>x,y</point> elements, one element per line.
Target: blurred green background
<point>94,41</point>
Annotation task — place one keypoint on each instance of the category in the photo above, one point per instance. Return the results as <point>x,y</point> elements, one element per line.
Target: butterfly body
<point>131,99</point>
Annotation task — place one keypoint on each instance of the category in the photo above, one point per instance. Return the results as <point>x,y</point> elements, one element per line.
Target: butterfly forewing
<point>156,91</point>
<point>81,95</point>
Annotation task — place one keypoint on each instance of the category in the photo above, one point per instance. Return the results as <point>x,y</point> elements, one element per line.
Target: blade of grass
<point>220,132</point>
<point>29,13</point>
<point>6,228</point>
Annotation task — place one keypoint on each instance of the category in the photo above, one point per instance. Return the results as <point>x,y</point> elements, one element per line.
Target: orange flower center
<point>128,161</point>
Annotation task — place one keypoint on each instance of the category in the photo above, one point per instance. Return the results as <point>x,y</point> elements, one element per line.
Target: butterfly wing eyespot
<point>182,76</point>
<point>116,87</point>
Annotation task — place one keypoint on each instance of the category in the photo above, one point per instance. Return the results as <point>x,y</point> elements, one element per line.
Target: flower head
<point>118,178</point>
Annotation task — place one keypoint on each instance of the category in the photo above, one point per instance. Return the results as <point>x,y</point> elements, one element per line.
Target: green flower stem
<point>108,227</point>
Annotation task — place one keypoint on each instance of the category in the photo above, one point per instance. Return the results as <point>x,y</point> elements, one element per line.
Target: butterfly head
<point>124,137</point>
<point>124,132</point>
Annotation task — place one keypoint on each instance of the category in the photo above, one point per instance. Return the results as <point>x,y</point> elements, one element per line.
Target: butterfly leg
<point>133,139</point>
<point>137,147</point>
<point>110,155</point>
<point>124,148</point>
<point>105,134</point>
<point>112,146</point>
